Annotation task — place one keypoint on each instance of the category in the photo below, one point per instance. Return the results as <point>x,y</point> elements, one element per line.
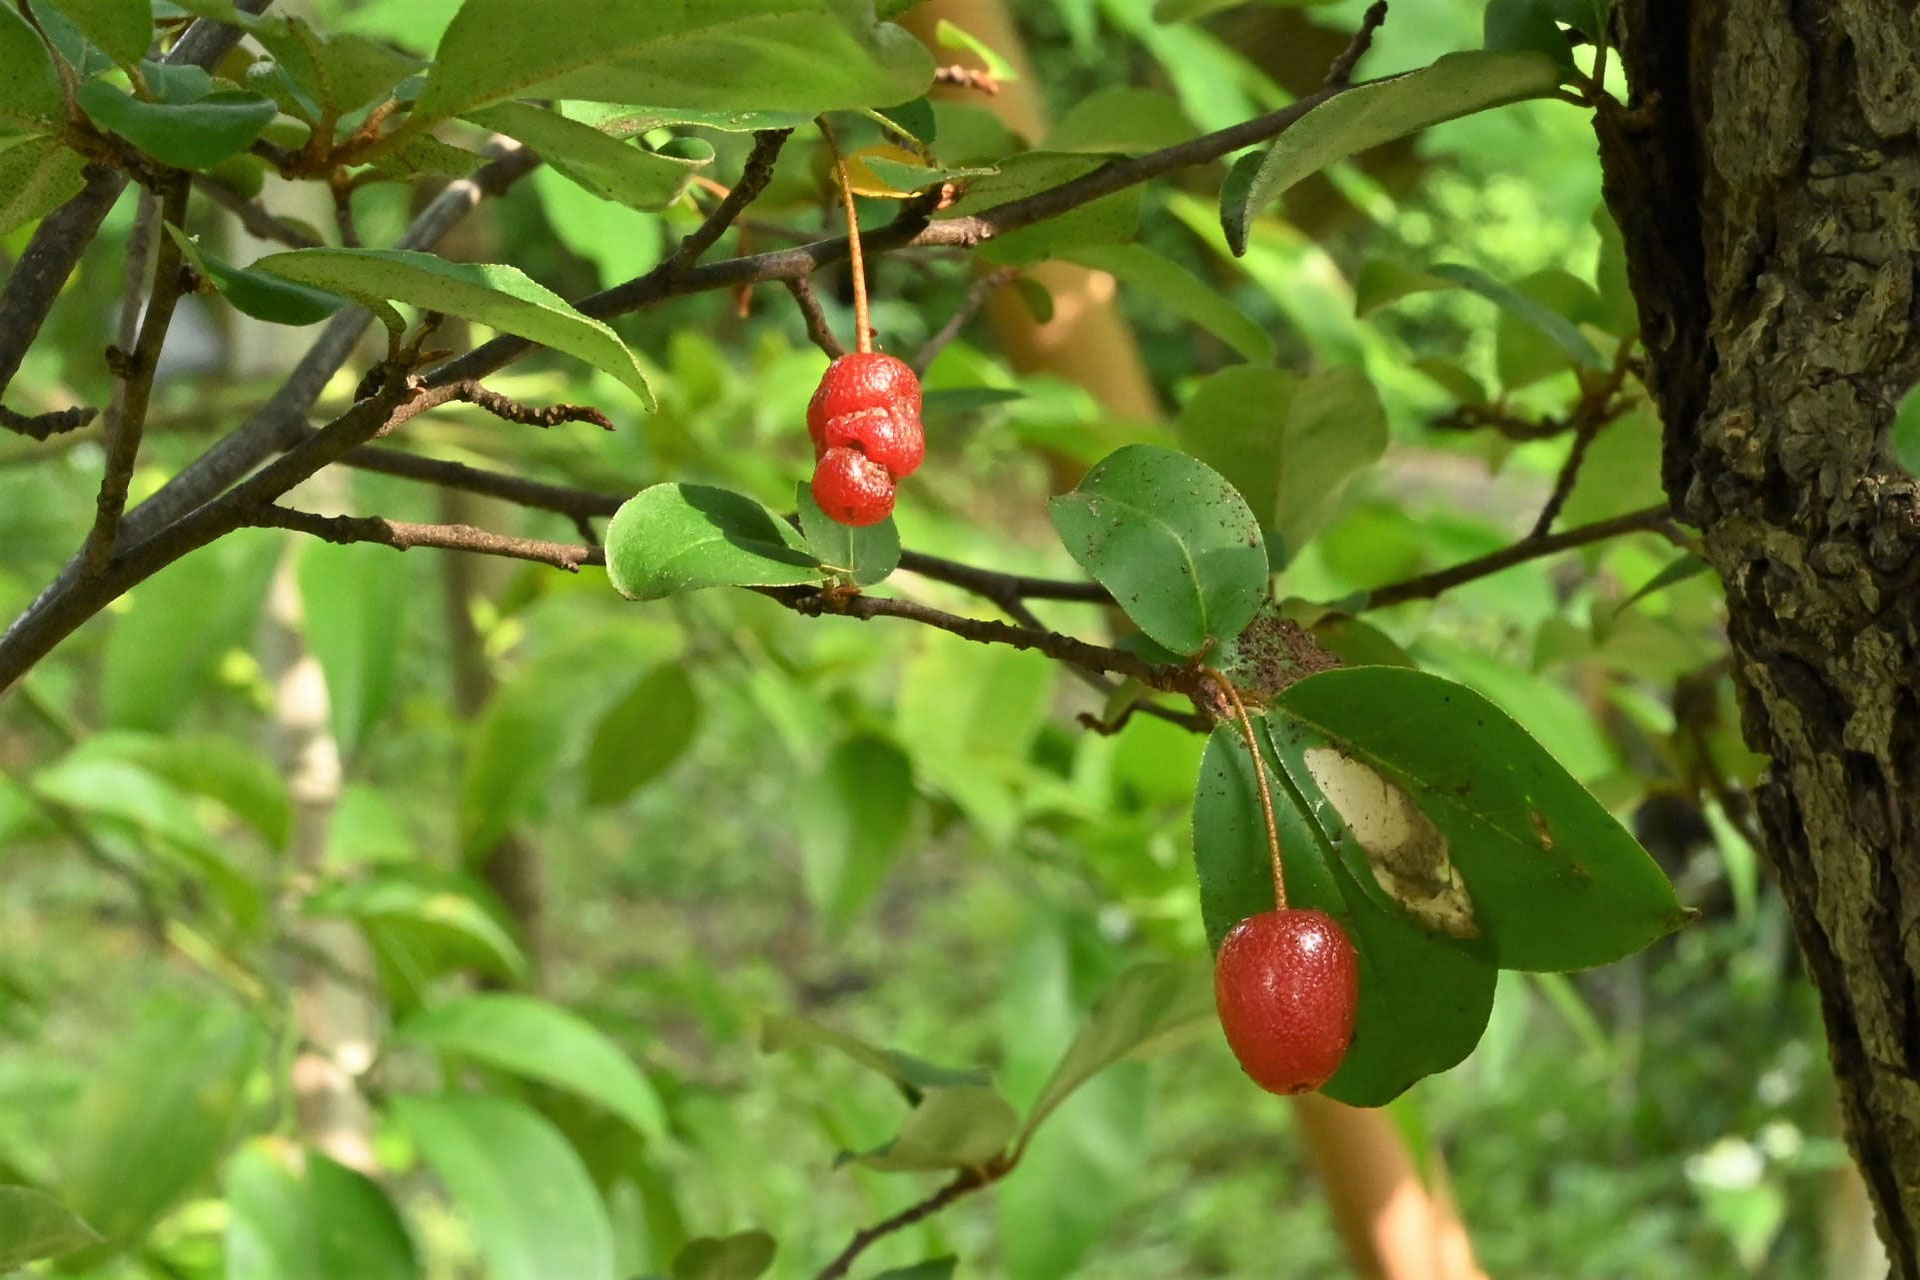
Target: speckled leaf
<point>866,554</point>
<point>124,28</point>
<point>1423,1000</point>
<point>36,177</point>
<point>672,538</point>
<point>624,172</point>
<point>1175,543</point>
<point>187,135</point>
<point>1448,799</point>
<point>29,90</point>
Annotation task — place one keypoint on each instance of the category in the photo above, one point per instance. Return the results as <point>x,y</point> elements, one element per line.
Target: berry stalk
<point>863,331</point>
<point>1260,779</point>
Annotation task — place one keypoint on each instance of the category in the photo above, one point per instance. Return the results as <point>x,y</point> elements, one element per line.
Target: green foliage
<point>297,1215</point>
<point>672,538</point>
<point>33,1225</point>
<point>196,130</point>
<point>36,176</point>
<point>863,554</point>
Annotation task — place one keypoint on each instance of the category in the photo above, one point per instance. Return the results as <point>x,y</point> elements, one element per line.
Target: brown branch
<point>511,410</point>
<point>41,426</point>
<point>970,305</point>
<point>254,216</point>
<point>965,1181</point>
<point>818,331</point>
<point>1657,519</point>
<point>580,504</point>
<point>1341,72</point>
<point>1583,438</point>
<point>960,77</point>
<point>127,416</point>
<point>754,178</point>
<point>1002,588</point>
<point>403,535</point>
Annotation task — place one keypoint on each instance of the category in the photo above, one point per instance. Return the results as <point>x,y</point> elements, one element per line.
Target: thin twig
<point>580,504</point>
<point>959,77</point>
<point>965,1181</point>
<point>254,216</point>
<point>1583,438</point>
<point>404,535</point>
<point>41,426</point>
<point>511,410</point>
<point>340,184</point>
<point>1260,781</point>
<point>818,330</point>
<point>1001,588</point>
<point>753,180</point>
<point>127,417</point>
<point>1341,72</point>
<point>133,291</point>
<point>970,305</point>
<point>1656,519</point>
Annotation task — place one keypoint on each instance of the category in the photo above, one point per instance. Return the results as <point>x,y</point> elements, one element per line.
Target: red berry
<point>852,488</point>
<point>858,384</point>
<point>1287,984</point>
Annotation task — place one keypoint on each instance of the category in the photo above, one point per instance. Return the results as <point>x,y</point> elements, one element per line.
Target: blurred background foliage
<point>896,834</point>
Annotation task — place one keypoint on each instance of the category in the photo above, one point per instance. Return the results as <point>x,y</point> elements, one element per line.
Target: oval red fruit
<point>1287,984</point>
<point>852,488</point>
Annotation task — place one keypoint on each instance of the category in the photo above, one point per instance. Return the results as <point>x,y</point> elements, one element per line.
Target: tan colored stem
<point>863,328</point>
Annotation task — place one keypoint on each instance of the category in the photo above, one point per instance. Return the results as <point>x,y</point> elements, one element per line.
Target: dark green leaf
<point>1423,999</point>
<point>186,135</point>
<point>1173,541</point>
<point>1441,804</point>
<point>353,605</point>
<point>37,176</point>
<point>931,1269</point>
<point>1179,291</point>
<point>1523,353</point>
<point>866,554</point>
<point>684,537</point>
<point>1113,219</point>
<point>431,912</point>
<point>532,1037</point>
<point>1527,25</point>
<point>856,817</point>
<point>260,296</point>
<point>530,1203</point>
<point>33,1225</point>
<point>1457,84</point>
<point>1121,120</point>
<point>294,1214</point>
<point>124,28</point>
<point>912,1076</point>
<point>611,169</point>
<point>337,73</point>
<point>1679,570</point>
<point>643,734</point>
<point>742,1256</point>
<point>226,769</point>
<point>953,1127</point>
<point>1383,281</point>
<point>495,295</point>
<point>30,99</point>
<point>1543,319</point>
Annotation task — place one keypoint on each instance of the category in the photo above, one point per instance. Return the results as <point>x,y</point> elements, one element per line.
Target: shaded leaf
<point>641,736</point>
<point>672,538</point>
<point>257,295</point>
<point>865,554</point>
<point>37,176</point>
<point>623,172</point>
<point>433,910</point>
<point>294,1214</point>
<point>123,28</point>
<point>736,1257</point>
<point>353,606</point>
<point>197,134</point>
<point>30,99</point>
<point>1121,120</point>
<point>858,814</point>
<point>33,1225</point>
<point>913,1076</point>
<point>1180,291</point>
<point>953,1127</point>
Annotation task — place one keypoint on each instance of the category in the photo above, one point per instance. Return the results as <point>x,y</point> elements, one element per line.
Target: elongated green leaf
<point>954,1127</point>
<point>33,1225</point>
<point>613,170</point>
<point>684,537</point>
<point>1539,328</point>
<point>30,99</point>
<point>260,296</point>
<point>226,769</point>
<point>1113,219</point>
<point>805,56</point>
<point>1526,25</point>
<point>931,1269</point>
<point>742,1256</point>
<point>294,1214</point>
<point>1382,283</point>
<point>532,1207</point>
<point>1121,120</point>
<point>1444,807</point>
<point>642,735</point>
<point>1149,1009</point>
<point>37,176</point>
<point>492,294</point>
<point>152,1124</point>
<point>852,831</point>
<point>1424,999</point>
<point>1679,570</point>
<point>532,1037</point>
<point>187,135</point>
<point>1457,84</point>
<point>335,74</point>
<point>124,28</point>
<point>1181,292</point>
<point>353,605</point>
<point>1173,541</point>
<point>912,1076</point>
<point>436,916</point>
<point>866,554</point>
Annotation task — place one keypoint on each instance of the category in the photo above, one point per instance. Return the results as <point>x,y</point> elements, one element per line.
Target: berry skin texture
<point>870,402</point>
<point>1287,984</point>
<point>852,488</point>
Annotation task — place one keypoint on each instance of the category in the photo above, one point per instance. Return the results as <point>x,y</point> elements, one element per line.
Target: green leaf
<point>337,73</point>
<point>642,735</point>
<point>1180,291</point>
<point>1187,10</point>
<point>30,100</point>
<point>1522,25</point>
<point>866,554</point>
<point>1288,443</point>
<point>1149,1009</point>
<point>151,1126</point>
<point>1457,84</point>
<point>294,1214</point>
<point>1120,120</point>
<point>226,769</point>
<point>530,1203</point>
<point>532,1037</point>
<point>124,28</point>
<point>1383,281</point>
<point>33,1225</point>
<point>804,56</point>
<point>1443,805</point>
<point>672,538</point>
<point>912,1076</point>
<point>949,36</point>
<point>611,169</point>
<point>930,1269</point>
<point>353,607</point>
<point>1173,541</point>
<point>954,1127</point>
<point>853,823</point>
<point>256,295</point>
<point>1677,570</point>
<point>489,293</point>
<point>430,912</point>
<point>1424,999</point>
<point>186,135</point>
<point>1113,219</point>
<point>1561,331</point>
<point>37,176</point>
<point>741,1256</point>
<point>1586,16</point>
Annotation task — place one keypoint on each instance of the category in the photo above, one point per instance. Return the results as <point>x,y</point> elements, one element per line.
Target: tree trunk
<point>1766,179</point>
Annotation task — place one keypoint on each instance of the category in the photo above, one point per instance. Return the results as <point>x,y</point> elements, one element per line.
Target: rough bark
<point>1767,179</point>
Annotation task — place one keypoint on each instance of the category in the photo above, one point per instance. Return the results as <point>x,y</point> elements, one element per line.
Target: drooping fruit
<point>1287,984</point>
<point>852,488</point>
<point>871,402</point>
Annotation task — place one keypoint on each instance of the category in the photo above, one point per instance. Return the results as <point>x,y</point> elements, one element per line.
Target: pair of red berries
<point>1287,984</point>
<point>865,424</point>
